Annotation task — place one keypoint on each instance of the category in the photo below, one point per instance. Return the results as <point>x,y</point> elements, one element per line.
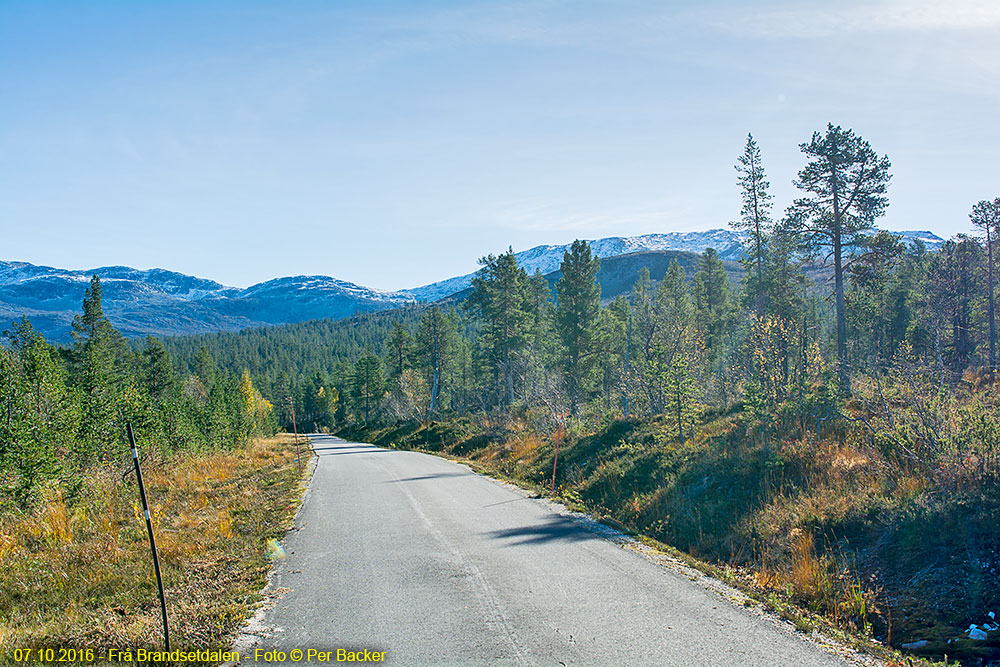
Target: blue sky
<point>394,143</point>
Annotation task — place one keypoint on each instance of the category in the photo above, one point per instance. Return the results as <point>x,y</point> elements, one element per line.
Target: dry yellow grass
<point>806,570</point>
<point>524,447</point>
<point>77,571</point>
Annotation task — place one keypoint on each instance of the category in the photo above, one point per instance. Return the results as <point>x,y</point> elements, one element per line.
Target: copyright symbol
<point>296,655</point>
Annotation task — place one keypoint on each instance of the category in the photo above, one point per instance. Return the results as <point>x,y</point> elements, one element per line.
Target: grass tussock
<point>77,571</point>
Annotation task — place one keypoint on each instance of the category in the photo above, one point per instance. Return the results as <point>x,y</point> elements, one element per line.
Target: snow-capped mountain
<point>21,282</point>
<point>930,240</point>
<point>547,258</point>
<point>161,302</point>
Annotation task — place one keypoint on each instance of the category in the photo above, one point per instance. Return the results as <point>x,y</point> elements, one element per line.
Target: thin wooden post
<point>555,459</point>
<point>152,540</point>
<point>298,460</point>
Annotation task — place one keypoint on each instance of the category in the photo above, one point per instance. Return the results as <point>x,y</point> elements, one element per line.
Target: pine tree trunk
<point>680,421</point>
<point>989,272</point>
<point>843,370</point>
<point>434,383</point>
<point>628,346</point>
<point>937,349</point>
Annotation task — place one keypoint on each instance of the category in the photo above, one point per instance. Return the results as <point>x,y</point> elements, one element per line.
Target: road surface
<point>419,557</point>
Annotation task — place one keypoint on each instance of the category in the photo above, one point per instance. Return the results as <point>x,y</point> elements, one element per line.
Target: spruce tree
<point>577,305</point>
<point>399,343</point>
<point>101,363</point>
<point>158,369</point>
<point>205,367</point>
<point>644,330</point>
<point>542,348</point>
<point>712,302</point>
<point>675,346</point>
<point>612,351</point>
<point>673,299</point>
<point>37,415</point>
<point>368,382</point>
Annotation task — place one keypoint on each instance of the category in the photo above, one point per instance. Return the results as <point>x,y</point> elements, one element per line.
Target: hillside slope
<point>547,258</point>
<point>164,303</point>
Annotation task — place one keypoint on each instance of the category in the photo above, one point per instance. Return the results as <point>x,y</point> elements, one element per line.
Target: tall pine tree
<point>845,183</point>
<point>501,298</point>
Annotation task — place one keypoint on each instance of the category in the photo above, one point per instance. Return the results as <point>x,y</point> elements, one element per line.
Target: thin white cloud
<point>592,24</point>
<point>890,16</point>
<point>538,215</point>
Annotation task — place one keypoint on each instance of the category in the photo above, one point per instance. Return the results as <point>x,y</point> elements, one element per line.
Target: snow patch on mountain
<point>160,302</point>
<point>325,286</point>
<point>547,258</point>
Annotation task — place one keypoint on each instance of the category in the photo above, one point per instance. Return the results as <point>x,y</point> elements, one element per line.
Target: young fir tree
<point>845,183</point>
<point>577,305</point>
<point>713,309</point>
<point>676,347</point>
<point>37,416</point>
<point>101,360</point>
<point>639,376</point>
<point>158,369</point>
<point>205,367</point>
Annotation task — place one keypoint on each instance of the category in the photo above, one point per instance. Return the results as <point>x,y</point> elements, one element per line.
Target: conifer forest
<point>825,419</point>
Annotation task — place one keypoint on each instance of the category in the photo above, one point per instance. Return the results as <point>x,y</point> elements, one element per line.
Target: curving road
<point>417,556</point>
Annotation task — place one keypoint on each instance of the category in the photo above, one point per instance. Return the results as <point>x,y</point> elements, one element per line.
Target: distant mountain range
<point>547,258</point>
<point>161,302</point>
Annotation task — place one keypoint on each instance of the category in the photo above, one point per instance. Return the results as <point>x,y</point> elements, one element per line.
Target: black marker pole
<point>152,541</point>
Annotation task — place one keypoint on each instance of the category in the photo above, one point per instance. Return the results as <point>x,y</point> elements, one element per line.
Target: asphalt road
<point>417,556</point>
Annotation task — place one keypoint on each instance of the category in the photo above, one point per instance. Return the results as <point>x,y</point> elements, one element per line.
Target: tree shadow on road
<point>436,475</point>
<point>554,529</point>
<point>334,450</point>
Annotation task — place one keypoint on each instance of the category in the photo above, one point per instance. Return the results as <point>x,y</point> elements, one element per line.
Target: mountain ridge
<point>163,302</point>
<point>546,258</point>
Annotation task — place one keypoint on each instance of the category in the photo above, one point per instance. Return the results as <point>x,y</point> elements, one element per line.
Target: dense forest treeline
<point>789,342</point>
<point>843,409</point>
<point>64,409</point>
